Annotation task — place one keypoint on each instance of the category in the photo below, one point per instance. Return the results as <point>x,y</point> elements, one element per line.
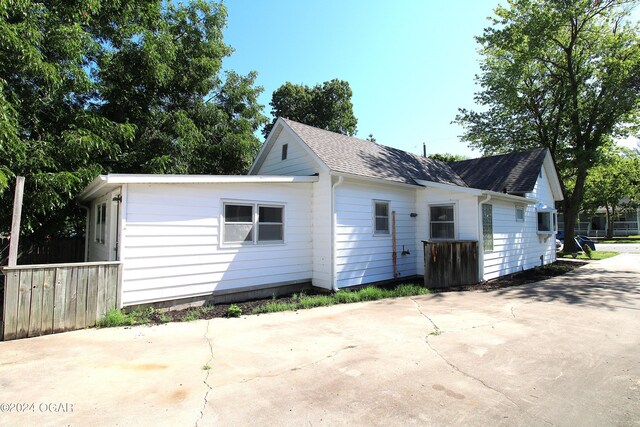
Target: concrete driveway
<point>561,352</point>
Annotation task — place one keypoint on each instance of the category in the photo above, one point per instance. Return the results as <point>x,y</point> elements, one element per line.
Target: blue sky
<point>410,63</point>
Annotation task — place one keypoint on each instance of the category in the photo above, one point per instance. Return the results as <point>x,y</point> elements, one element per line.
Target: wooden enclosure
<point>450,263</point>
<point>52,298</point>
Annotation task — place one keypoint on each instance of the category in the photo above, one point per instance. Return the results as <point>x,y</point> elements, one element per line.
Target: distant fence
<point>46,299</point>
<point>48,251</point>
<point>450,263</point>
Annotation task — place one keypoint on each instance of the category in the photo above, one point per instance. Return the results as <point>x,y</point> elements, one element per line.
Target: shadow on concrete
<point>590,286</point>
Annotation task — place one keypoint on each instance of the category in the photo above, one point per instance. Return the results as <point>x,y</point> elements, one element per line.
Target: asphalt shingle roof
<point>514,173</point>
<point>350,155</point>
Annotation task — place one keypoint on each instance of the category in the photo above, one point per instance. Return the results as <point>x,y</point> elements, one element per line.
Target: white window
<point>547,221</point>
<point>253,223</point>
<point>381,217</point>
<point>270,224</point>
<point>442,221</point>
<point>487,227</point>
<point>100,231</point>
<point>238,223</point>
<point>519,213</point>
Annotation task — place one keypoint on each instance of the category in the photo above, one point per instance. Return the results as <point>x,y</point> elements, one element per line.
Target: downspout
<point>334,220</point>
<point>481,238</point>
<point>86,230</point>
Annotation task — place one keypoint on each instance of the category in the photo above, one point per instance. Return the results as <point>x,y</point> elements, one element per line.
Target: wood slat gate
<point>450,263</point>
<point>52,298</point>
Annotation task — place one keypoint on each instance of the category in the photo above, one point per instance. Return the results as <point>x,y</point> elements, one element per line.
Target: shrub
<point>234,311</point>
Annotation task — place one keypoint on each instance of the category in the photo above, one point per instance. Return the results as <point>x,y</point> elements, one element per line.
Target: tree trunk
<point>571,209</point>
<point>570,216</point>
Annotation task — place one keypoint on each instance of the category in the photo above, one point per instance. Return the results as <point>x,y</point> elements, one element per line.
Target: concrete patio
<point>561,352</point>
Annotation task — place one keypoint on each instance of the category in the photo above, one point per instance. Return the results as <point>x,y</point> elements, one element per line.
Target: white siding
<point>297,163</point>
<point>103,251</point>
<point>322,262</point>
<point>173,248</point>
<point>466,217</point>
<point>361,256</point>
<point>517,245</point>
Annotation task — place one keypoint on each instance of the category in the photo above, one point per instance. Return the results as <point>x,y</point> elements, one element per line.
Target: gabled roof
<point>355,156</point>
<point>514,173</point>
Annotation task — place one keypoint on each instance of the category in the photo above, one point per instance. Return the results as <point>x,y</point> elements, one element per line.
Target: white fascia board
<point>510,197</point>
<point>95,186</point>
<point>450,187</point>
<point>552,175</point>
<point>205,179</point>
<point>373,180</point>
<point>106,183</point>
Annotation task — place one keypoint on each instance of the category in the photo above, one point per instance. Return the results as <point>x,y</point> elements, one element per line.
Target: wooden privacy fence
<point>450,263</point>
<point>52,298</point>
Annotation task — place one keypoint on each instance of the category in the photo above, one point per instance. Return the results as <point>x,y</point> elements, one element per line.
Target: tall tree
<point>327,106</point>
<point>115,86</point>
<point>559,74</point>
<point>614,185</point>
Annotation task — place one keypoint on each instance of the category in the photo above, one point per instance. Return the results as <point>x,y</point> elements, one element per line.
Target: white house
<point>318,208</point>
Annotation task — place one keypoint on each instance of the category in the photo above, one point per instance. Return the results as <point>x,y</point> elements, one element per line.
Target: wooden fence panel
<point>10,311</point>
<point>81,300</point>
<point>44,299</point>
<point>450,263</point>
<point>24,303</point>
<point>48,295</point>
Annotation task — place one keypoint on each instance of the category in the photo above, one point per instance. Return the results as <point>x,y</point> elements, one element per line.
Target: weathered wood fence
<point>450,263</point>
<point>52,298</point>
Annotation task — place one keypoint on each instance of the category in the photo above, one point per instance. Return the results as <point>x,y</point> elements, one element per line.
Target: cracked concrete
<point>563,352</point>
<point>207,369</point>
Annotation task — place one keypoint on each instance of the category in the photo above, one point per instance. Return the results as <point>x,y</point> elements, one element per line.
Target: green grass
<point>369,293</point>
<point>595,255</point>
<point>115,317</point>
<point>193,314</point>
<point>628,239</point>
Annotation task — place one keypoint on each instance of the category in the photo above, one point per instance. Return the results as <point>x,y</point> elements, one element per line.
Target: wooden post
<point>15,222</point>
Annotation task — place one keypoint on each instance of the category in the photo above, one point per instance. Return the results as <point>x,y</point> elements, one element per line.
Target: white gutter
<point>334,220</point>
<point>481,237</point>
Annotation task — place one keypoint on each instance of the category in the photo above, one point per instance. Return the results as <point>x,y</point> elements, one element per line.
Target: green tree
<point>327,106</point>
<point>115,86</point>
<point>614,185</point>
<point>448,157</point>
<point>563,75</point>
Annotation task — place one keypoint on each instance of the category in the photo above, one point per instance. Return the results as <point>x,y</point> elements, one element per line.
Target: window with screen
<point>442,222</point>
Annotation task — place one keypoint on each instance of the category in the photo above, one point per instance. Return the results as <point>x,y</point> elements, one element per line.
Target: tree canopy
<point>563,75</point>
<point>326,106</point>
<point>614,185</point>
<point>115,86</point>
